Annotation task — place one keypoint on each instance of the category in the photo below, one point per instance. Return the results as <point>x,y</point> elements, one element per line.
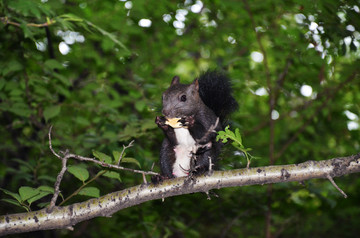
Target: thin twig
<point>123,150</point>
<point>81,187</point>
<point>248,164</point>
<point>210,164</point>
<point>144,178</point>
<point>152,166</point>
<point>57,184</point>
<point>59,177</point>
<point>335,185</point>
<point>6,21</point>
<point>113,166</point>
<point>50,144</point>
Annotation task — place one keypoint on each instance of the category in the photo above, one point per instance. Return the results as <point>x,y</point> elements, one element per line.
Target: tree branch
<point>5,21</point>
<point>68,216</point>
<point>112,166</point>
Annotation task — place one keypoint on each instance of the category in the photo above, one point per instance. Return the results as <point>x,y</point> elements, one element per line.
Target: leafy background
<point>97,71</point>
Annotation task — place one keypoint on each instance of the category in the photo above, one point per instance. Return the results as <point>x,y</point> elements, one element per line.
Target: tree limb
<point>5,20</point>
<point>66,217</point>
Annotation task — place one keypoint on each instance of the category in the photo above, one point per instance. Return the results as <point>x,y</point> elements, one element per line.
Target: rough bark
<point>68,216</point>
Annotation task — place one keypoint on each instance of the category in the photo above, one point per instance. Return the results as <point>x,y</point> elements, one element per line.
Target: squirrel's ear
<point>196,84</point>
<point>175,80</point>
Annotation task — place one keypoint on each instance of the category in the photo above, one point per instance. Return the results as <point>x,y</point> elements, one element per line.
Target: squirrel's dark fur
<point>216,92</point>
<point>202,105</point>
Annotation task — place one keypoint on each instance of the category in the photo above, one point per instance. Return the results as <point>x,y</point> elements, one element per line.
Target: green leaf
<point>71,17</point>
<point>79,172</point>
<point>131,160</point>
<point>39,196</point>
<point>82,121</point>
<point>27,192</point>
<point>111,36</point>
<point>28,32</point>
<point>102,157</point>
<point>110,135</point>
<point>140,105</point>
<point>90,191</point>
<point>112,174</point>
<point>116,155</point>
<point>147,124</point>
<point>12,66</point>
<point>236,140</point>
<point>180,225</point>
<point>238,136</point>
<point>25,163</point>
<point>53,64</point>
<point>12,201</point>
<point>51,112</point>
<point>62,79</point>
<point>47,178</point>
<point>25,7</point>
<point>20,109</point>
<point>14,195</point>
<point>45,188</point>
<point>222,136</point>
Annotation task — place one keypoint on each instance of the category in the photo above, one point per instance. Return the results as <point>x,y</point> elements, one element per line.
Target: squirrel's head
<point>181,100</point>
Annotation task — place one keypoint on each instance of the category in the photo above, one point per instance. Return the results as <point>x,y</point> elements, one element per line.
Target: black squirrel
<point>201,109</point>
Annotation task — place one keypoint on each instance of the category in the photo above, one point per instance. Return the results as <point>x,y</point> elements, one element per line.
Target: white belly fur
<point>186,144</point>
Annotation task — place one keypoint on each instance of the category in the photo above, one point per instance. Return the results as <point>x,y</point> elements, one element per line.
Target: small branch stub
<point>335,185</point>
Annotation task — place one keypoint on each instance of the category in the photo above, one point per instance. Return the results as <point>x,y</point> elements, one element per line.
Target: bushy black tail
<point>215,91</point>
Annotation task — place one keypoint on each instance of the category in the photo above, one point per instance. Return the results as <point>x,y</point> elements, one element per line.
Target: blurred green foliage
<point>95,70</point>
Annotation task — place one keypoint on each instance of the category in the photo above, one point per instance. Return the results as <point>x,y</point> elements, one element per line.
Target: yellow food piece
<point>173,122</point>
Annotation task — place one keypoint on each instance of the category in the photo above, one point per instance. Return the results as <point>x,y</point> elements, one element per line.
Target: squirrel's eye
<point>183,98</point>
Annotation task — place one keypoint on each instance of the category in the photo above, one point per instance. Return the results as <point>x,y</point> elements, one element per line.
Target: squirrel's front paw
<point>187,121</point>
<point>160,121</point>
